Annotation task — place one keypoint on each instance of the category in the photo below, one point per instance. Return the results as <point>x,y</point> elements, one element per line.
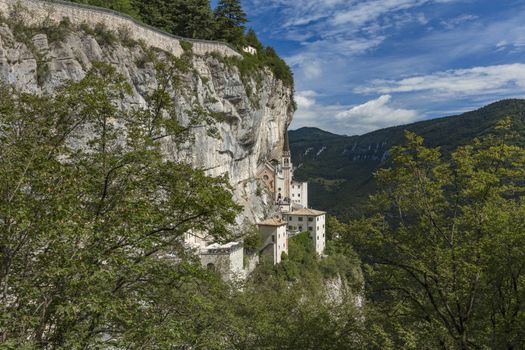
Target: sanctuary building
<point>277,176</point>
<point>291,199</point>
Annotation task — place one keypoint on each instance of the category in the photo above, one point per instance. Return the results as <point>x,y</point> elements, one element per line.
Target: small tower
<point>286,165</point>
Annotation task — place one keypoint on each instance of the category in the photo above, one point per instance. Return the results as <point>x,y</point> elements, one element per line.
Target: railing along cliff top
<point>56,10</point>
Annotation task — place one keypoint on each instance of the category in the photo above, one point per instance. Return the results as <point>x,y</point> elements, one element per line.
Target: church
<point>277,176</point>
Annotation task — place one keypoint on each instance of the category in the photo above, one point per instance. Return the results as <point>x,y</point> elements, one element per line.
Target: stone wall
<point>38,11</point>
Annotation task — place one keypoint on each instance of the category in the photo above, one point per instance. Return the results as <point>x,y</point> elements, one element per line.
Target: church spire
<point>286,145</point>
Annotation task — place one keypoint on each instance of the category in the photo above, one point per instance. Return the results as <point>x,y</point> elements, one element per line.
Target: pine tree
<point>230,18</point>
<point>252,40</point>
<point>187,18</point>
<point>192,19</point>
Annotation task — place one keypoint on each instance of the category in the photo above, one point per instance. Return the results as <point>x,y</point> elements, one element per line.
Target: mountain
<point>340,168</point>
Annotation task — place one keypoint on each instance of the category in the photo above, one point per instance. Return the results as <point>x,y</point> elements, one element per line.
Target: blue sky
<point>363,65</point>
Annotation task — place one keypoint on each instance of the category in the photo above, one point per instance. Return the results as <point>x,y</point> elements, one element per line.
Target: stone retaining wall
<point>39,11</point>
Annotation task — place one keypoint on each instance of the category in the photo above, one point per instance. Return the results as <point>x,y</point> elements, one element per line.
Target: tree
<point>292,305</point>
<point>230,18</point>
<point>443,248</point>
<point>187,18</point>
<point>92,219</point>
<point>252,40</point>
<point>192,19</point>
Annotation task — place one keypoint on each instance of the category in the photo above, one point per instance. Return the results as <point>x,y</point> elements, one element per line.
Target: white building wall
<point>237,263</point>
<point>320,234</point>
<point>277,236</point>
<point>300,193</point>
<point>229,262</point>
<point>250,49</point>
<point>315,225</point>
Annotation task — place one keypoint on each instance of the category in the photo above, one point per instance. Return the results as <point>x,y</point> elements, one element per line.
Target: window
<point>300,218</point>
<point>299,195</point>
<point>310,219</point>
<point>273,238</point>
<point>323,225</point>
<point>317,237</point>
<point>290,227</point>
<point>290,218</point>
<point>300,228</point>
<point>317,228</point>
<point>317,218</point>
<point>293,195</point>
<point>310,228</point>
<point>279,189</point>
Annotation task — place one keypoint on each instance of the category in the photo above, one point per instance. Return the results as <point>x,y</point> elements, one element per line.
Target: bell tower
<point>286,165</point>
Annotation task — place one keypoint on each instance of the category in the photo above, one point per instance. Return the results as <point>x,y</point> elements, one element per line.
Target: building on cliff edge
<point>291,201</point>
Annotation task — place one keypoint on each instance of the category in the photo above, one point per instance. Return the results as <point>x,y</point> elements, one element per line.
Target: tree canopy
<point>444,249</point>
<point>230,19</point>
<point>92,220</point>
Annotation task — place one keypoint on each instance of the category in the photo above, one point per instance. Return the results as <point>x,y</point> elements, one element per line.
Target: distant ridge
<point>340,168</point>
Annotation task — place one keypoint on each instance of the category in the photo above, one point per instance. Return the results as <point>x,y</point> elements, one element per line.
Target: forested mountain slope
<point>340,168</point>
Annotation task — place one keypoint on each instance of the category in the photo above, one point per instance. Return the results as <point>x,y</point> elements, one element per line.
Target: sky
<point>362,65</point>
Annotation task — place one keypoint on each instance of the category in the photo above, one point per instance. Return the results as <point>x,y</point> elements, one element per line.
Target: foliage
<point>230,19</point>
<point>187,47</point>
<point>91,222</point>
<point>252,240</point>
<point>291,306</point>
<point>445,246</point>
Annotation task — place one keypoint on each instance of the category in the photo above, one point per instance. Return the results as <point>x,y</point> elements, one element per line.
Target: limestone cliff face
<point>251,133</point>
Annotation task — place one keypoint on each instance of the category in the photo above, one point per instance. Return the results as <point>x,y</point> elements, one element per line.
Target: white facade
<point>299,195</point>
<point>274,238</point>
<point>250,49</point>
<point>312,221</point>
<point>227,259</point>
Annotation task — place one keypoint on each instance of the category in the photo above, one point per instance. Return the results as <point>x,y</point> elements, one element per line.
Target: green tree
<point>92,219</point>
<point>187,18</point>
<point>252,40</point>
<point>230,18</point>
<point>296,305</point>
<point>444,249</point>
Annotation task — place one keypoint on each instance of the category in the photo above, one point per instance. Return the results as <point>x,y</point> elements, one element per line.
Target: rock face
<point>252,131</point>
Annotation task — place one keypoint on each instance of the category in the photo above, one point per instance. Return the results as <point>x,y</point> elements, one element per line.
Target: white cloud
<point>305,99</point>
<point>457,21</point>
<point>471,81</point>
<point>367,11</point>
<point>351,120</point>
<point>376,114</point>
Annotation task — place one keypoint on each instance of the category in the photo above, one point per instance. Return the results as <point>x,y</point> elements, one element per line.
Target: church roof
<point>307,211</point>
<point>272,222</point>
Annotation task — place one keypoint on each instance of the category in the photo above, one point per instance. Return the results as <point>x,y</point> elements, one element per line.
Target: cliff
<point>43,54</point>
